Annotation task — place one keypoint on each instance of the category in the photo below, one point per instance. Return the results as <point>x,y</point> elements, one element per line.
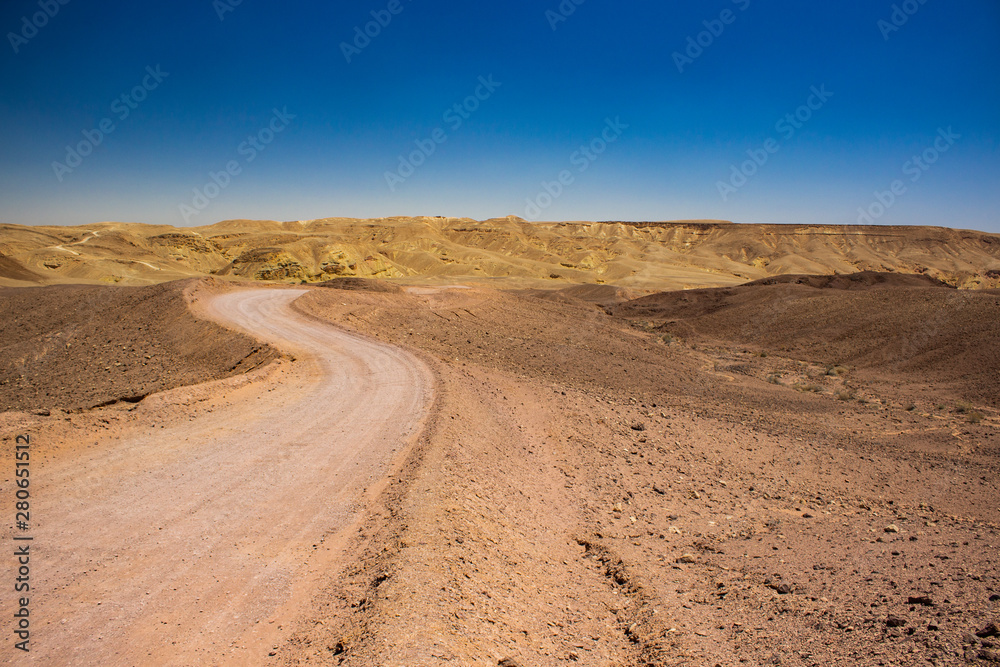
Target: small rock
<point>659,489</point>
<point>807,515</point>
<point>508,662</point>
<point>695,495</point>
<point>970,638</point>
<point>922,600</point>
<point>991,630</point>
<point>783,589</point>
<point>895,622</point>
<point>638,427</point>
<point>892,528</point>
<point>994,598</point>
<point>989,656</point>
<point>687,558</point>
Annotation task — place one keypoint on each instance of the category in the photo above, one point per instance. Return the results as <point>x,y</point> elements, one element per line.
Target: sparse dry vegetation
<point>846,394</point>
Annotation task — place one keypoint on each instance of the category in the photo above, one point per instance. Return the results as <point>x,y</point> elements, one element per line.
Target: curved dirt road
<point>189,544</point>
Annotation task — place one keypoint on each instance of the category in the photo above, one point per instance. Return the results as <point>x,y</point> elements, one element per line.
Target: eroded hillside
<point>654,256</point>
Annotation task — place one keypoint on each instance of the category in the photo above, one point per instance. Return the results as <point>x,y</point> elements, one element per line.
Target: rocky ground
<point>649,488</point>
<point>75,347</point>
<point>589,493</point>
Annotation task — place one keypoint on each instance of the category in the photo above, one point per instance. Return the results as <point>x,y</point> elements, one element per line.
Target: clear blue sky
<point>892,90</point>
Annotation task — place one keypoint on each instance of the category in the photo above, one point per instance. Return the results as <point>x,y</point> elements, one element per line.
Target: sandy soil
<point>191,535</point>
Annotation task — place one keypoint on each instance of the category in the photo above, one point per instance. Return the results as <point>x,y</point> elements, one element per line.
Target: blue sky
<point>597,98</point>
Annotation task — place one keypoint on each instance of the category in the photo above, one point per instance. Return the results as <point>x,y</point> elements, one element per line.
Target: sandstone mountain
<point>634,255</point>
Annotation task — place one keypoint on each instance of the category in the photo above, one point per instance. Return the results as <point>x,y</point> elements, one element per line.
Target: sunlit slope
<point>636,255</point>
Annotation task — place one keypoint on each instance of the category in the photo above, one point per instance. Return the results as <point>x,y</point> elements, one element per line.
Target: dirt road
<point>194,542</point>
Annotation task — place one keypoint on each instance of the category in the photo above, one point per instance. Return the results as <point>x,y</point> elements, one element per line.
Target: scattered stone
<point>970,638</point>
<point>659,489</point>
<point>892,528</point>
<point>687,558</point>
<point>508,662</point>
<point>989,656</point>
<point>922,600</point>
<point>991,630</point>
<point>895,622</point>
<point>782,589</point>
<point>638,426</point>
<point>994,598</point>
<point>807,515</point>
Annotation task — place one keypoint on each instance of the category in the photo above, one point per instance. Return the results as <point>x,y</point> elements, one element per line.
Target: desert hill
<point>80,346</point>
<point>896,326</point>
<point>646,256</point>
